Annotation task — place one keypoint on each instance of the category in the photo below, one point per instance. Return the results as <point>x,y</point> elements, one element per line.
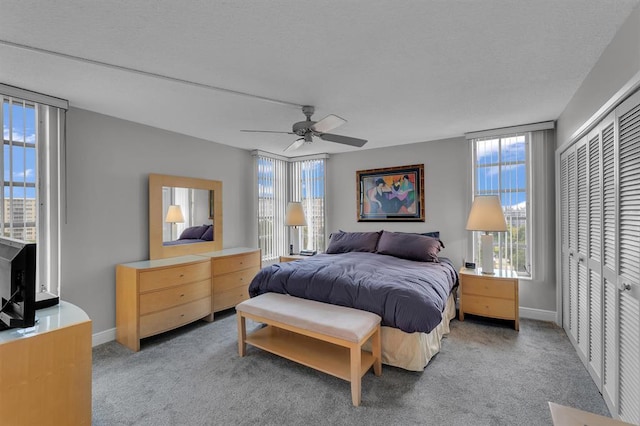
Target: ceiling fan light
<point>308,137</point>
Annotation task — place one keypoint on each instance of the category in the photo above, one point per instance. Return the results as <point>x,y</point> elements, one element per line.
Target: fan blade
<point>330,122</point>
<point>342,139</point>
<point>267,131</point>
<point>295,145</point>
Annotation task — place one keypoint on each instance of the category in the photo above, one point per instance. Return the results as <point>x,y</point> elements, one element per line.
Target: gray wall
<point>446,190</point>
<point>617,65</point>
<point>447,203</point>
<point>108,161</point>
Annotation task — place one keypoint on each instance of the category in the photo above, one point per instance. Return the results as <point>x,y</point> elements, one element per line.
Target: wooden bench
<point>326,337</point>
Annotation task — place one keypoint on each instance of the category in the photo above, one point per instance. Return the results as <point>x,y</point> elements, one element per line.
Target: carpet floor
<point>485,374</point>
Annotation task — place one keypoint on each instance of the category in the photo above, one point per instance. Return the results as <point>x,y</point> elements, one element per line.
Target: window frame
<point>500,239</point>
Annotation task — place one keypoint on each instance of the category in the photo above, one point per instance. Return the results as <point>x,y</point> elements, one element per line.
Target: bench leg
<point>356,362</point>
<point>242,335</point>
<point>376,349</point>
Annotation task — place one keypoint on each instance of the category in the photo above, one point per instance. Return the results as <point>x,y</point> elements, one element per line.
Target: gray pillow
<point>344,242</point>
<point>193,233</point>
<point>409,246</point>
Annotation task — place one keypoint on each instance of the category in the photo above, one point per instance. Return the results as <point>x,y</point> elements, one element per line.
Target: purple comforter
<point>407,295</point>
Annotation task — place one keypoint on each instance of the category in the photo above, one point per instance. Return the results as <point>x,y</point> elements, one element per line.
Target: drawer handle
<point>181,275</point>
<point>182,295</point>
<point>181,315</point>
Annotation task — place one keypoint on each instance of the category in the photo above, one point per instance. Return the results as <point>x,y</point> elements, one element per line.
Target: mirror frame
<point>159,251</point>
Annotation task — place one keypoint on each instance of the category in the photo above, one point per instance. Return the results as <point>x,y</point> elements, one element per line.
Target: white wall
<point>617,65</point>
<point>108,161</point>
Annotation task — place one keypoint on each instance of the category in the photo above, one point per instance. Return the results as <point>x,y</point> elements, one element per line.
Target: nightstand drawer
<point>489,307</point>
<point>489,288</point>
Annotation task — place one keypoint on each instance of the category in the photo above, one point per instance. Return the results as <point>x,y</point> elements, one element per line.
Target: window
<point>307,185</point>
<point>501,167</point>
<point>279,180</point>
<point>33,129</point>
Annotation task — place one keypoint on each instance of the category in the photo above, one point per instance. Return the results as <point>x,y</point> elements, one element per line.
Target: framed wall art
<point>391,194</point>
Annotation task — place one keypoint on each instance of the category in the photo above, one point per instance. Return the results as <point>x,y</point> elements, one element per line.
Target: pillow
<point>193,233</point>
<point>409,246</point>
<point>344,242</point>
<point>432,234</point>
<point>208,234</point>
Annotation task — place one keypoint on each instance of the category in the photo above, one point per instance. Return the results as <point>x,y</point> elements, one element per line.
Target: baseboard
<point>103,337</point>
<point>537,314</point>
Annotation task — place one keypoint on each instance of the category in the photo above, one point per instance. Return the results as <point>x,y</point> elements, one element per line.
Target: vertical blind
<point>272,205</point>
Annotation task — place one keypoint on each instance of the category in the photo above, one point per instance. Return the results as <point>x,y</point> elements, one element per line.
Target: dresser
<point>45,370</point>
<point>494,295</point>
<point>154,296</point>
<point>232,270</point>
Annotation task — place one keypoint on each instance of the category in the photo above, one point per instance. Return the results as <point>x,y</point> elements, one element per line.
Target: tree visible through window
<point>501,167</point>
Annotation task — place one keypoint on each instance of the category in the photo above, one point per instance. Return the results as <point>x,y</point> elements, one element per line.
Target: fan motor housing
<point>301,127</point>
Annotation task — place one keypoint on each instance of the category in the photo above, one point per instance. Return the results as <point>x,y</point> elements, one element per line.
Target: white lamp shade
<point>486,215</point>
<point>295,215</point>
<point>174,215</point>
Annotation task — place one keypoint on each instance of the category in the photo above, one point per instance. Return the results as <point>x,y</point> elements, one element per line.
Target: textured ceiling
<point>399,72</point>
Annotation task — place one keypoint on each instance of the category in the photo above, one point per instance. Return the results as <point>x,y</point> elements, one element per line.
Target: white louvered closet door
<point>594,259</point>
<point>569,255</point>
<point>628,115</point>
<point>582,239</point>
<point>609,266</point>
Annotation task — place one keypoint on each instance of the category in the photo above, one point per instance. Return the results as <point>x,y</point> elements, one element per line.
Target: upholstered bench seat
<point>326,337</point>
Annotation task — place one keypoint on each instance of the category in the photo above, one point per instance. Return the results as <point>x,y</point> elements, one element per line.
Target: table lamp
<point>486,215</point>
<point>294,217</point>
<point>174,215</point>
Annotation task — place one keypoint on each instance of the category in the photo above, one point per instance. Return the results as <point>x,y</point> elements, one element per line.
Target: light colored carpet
<point>486,374</point>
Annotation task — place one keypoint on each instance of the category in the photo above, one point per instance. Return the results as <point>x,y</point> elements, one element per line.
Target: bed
<point>395,275</point>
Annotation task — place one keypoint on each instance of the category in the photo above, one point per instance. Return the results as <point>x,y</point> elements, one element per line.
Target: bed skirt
<point>412,351</point>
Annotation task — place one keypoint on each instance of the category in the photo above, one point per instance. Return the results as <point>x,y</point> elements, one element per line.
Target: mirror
<point>185,216</point>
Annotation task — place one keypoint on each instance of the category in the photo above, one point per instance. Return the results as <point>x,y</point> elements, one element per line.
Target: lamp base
<point>486,243</point>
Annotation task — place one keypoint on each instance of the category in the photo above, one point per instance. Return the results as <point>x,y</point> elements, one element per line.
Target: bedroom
<point>109,158</point>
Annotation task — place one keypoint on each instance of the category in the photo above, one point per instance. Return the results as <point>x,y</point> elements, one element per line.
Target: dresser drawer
<point>174,317</point>
<point>175,275</point>
<point>233,279</point>
<point>173,296</point>
<point>230,298</point>
<point>224,265</point>
<point>489,307</point>
<point>490,288</point>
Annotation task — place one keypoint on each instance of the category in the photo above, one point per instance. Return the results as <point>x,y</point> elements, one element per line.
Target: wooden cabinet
<point>155,296</point>
<point>232,271</point>
<point>494,296</point>
<point>45,370</point>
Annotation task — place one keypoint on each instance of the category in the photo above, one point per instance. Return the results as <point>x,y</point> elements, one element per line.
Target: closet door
<point>568,256</point>
<point>594,259</point>
<point>629,259</point>
<point>609,266</point>
<point>582,240</point>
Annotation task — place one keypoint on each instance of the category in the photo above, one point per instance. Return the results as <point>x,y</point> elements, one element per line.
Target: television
<point>17,283</point>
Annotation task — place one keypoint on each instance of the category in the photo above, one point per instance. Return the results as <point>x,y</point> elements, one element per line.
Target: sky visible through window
<point>19,125</point>
<point>501,165</point>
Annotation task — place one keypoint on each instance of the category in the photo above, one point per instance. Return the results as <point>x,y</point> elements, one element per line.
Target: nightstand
<point>292,257</point>
<point>494,296</point>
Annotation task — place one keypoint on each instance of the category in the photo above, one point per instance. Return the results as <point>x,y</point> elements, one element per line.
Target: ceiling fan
<point>308,129</point>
